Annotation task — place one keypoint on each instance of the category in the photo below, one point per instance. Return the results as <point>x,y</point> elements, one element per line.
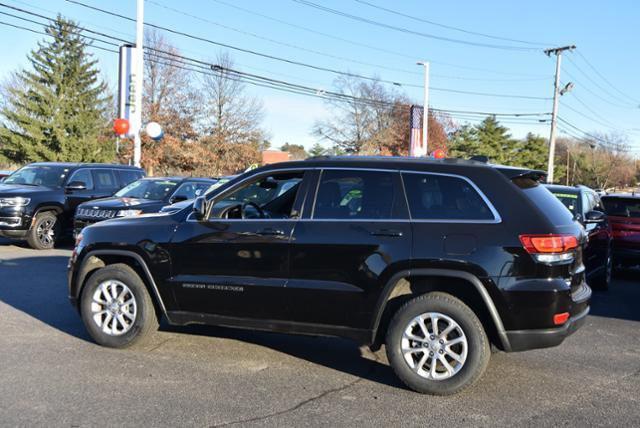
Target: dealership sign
<point>128,108</point>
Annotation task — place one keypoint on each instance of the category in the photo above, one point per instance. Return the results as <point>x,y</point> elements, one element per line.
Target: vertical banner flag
<point>127,107</point>
<point>416,147</point>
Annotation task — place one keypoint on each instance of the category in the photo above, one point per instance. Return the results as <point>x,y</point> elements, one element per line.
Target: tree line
<point>60,109</point>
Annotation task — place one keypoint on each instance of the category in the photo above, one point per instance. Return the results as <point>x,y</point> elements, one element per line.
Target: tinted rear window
<point>622,207</point>
<point>433,197</point>
<point>555,211</point>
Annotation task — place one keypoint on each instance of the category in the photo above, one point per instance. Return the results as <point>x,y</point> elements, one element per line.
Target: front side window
<point>156,190</point>
<point>38,175</point>
<point>440,197</point>
<point>83,176</point>
<point>190,190</point>
<point>269,196</point>
<point>357,195</point>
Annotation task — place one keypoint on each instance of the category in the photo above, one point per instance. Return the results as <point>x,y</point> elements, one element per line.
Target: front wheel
<point>116,308</point>
<point>437,345</point>
<point>44,231</point>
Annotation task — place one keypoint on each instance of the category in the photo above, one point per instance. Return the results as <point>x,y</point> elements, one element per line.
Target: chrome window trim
<point>496,215</point>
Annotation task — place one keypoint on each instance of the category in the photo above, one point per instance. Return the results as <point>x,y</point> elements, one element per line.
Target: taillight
<point>550,248</point>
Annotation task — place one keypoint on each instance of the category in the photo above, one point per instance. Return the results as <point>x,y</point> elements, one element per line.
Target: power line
<point>596,95</point>
<point>409,31</point>
<point>606,80</point>
<point>302,64</point>
<point>278,42</point>
<point>448,27</point>
<point>597,84</point>
<point>204,67</point>
<point>304,49</point>
<point>367,46</point>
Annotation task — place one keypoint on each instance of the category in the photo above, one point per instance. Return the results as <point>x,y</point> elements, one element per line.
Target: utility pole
<point>554,115</point>
<point>425,112</point>
<point>137,141</point>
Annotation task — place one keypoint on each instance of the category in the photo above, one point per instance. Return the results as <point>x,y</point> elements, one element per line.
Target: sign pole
<point>139,71</point>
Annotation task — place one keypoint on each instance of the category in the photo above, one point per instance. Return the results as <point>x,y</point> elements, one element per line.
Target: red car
<point>624,215</point>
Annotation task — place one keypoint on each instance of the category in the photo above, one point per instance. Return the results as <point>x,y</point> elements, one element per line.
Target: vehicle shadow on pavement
<point>622,300</point>
<point>332,352</point>
<point>37,286</point>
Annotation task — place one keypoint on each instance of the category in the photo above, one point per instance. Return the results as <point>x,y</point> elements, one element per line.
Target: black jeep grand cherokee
<point>37,202</point>
<point>438,259</point>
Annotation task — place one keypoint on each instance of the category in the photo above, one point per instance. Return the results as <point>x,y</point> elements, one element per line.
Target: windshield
<point>216,185</point>
<point>569,200</point>
<point>40,175</point>
<point>156,190</point>
<point>622,207</point>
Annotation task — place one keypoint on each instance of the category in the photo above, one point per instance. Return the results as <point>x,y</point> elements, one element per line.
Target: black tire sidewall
<point>144,310</point>
<point>478,345</point>
<point>32,237</point>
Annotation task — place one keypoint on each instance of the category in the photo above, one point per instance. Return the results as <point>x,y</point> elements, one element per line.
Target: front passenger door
<point>236,262</point>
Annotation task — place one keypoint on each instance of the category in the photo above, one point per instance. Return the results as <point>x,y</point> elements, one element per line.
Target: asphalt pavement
<point>52,374</point>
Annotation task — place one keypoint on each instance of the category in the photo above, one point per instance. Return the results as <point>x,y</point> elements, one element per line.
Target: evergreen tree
<point>494,141</point>
<point>317,150</point>
<point>58,110</point>
<point>533,152</point>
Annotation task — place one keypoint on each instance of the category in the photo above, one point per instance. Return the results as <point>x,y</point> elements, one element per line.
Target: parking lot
<point>52,374</point>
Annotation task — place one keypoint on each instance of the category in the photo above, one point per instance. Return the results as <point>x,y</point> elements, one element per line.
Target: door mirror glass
<point>594,217</point>
<point>75,186</point>
<point>200,208</point>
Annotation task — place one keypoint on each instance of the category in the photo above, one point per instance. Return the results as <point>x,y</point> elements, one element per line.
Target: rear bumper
<point>522,340</point>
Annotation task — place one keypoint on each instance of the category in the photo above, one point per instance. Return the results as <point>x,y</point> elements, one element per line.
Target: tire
<point>44,231</point>
<point>602,282</point>
<point>114,322</point>
<point>467,327</point>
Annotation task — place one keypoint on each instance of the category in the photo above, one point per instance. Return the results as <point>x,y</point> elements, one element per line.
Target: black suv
<point>586,207</point>
<point>147,195</point>
<point>37,202</point>
<point>438,259</point>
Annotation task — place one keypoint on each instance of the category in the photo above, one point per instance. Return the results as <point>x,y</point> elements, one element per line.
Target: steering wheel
<point>254,205</point>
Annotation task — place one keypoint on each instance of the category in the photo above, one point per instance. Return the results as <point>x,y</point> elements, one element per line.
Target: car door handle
<point>387,232</point>
<point>271,232</point>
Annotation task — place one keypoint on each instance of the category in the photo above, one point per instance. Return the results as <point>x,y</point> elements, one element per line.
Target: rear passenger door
<point>454,225</point>
<point>342,252</point>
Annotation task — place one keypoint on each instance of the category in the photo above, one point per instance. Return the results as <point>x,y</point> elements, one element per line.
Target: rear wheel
<point>116,308</point>
<point>437,345</point>
<point>603,281</point>
<point>44,231</point>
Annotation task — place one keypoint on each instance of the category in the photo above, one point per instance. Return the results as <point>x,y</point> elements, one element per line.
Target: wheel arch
<point>410,283</point>
<point>57,209</point>
<point>97,259</point>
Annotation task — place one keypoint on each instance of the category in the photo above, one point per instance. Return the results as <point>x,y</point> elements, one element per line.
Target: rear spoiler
<point>513,173</point>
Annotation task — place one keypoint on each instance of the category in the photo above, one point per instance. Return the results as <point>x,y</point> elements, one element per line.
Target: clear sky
<point>607,35</point>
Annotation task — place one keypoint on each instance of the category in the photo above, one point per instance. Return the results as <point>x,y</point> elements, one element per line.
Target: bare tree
<point>230,114</point>
<point>372,120</point>
<point>169,95</point>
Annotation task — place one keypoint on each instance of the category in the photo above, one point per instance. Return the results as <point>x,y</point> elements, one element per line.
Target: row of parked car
<point>43,202</point>
<point>440,260</point>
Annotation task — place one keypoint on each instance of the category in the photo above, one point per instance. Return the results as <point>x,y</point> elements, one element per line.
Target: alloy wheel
<point>434,346</point>
<point>113,307</point>
<point>46,232</point>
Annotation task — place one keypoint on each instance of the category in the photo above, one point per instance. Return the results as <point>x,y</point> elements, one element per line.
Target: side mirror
<point>200,208</point>
<point>177,198</point>
<point>594,217</point>
<point>75,186</point>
